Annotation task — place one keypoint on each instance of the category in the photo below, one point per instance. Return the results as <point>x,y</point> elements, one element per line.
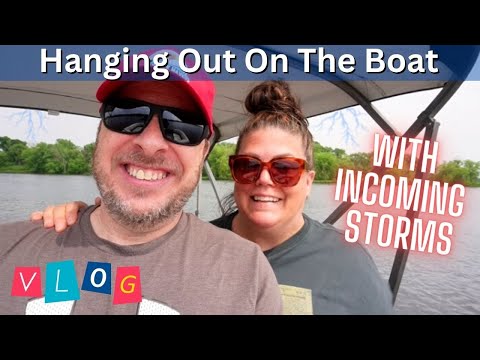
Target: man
<point>139,253</point>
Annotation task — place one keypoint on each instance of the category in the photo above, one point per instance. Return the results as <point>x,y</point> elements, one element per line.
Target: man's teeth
<point>266,198</point>
<point>148,175</point>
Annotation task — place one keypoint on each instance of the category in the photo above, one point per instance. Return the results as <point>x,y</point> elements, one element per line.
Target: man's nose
<point>151,139</point>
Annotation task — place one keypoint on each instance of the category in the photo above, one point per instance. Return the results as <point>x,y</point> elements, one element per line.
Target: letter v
<point>25,287</point>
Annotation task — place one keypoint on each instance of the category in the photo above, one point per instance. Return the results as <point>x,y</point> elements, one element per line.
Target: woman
<point>318,271</point>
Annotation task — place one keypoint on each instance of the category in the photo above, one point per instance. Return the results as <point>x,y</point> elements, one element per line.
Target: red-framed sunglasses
<point>285,171</point>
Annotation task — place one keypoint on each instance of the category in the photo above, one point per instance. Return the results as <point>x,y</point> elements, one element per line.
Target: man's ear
<point>206,148</point>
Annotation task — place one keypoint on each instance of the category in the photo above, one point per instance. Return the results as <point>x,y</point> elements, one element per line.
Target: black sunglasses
<point>131,117</point>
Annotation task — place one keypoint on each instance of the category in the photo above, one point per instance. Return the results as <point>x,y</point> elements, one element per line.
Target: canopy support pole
<point>401,255</point>
<point>213,181</point>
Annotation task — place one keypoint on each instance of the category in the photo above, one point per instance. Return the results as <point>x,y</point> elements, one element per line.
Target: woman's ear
<point>310,178</point>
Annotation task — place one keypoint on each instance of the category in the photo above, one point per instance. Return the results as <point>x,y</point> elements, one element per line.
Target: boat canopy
<point>317,97</point>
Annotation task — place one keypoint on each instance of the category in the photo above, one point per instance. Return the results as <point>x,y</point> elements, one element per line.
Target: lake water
<point>430,285</point>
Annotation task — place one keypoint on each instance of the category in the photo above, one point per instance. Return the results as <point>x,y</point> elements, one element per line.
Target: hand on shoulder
<point>61,216</point>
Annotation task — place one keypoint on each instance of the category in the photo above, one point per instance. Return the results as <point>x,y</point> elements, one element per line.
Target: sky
<point>458,136</point>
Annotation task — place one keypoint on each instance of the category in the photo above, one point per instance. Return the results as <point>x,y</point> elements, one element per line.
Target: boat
<point>319,94</point>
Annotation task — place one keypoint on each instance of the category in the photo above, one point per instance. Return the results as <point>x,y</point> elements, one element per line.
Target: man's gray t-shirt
<point>320,273</point>
<point>196,268</point>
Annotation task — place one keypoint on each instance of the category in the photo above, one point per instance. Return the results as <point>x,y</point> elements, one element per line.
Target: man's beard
<point>157,214</point>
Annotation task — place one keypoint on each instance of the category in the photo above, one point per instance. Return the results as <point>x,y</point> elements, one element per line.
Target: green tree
<point>472,170</point>
<point>218,160</point>
<point>5,143</point>
<point>340,153</point>
<point>451,172</point>
<point>36,158</point>
<point>318,148</point>
<point>326,166</point>
<point>87,153</point>
<point>64,152</point>
<point>77,164</point>
<point>361,161</point>
<point>15,150</point>
<point>3,159</point>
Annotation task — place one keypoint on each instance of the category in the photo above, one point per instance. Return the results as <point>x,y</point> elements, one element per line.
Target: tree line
<point>64,157</point>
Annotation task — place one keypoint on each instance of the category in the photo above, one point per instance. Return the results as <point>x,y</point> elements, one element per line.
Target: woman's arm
<point>60,216</point>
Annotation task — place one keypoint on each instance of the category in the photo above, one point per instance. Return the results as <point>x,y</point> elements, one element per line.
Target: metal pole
<point>401,255</point>
<point>213,181</point>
